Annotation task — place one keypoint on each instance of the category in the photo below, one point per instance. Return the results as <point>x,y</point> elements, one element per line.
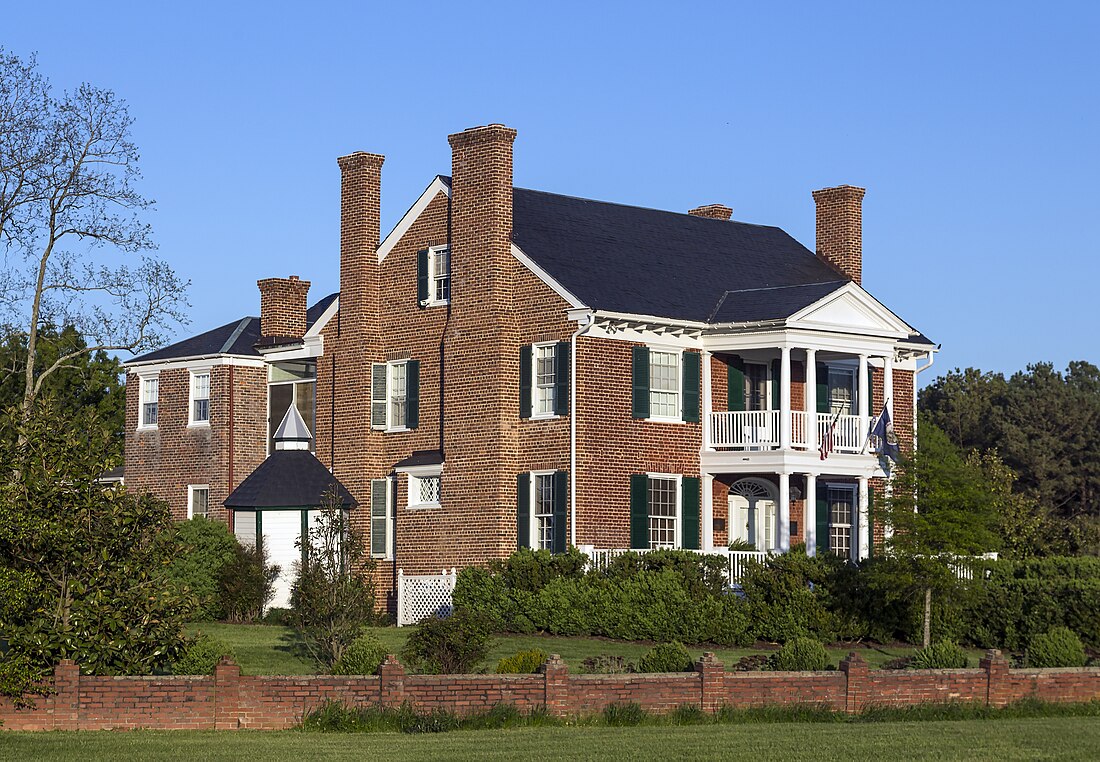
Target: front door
<point>752,519</point>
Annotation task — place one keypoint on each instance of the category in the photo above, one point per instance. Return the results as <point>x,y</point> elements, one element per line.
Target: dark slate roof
<point>236,338</point>
<point>421,458</point>
<point>769,303</point>
<point>287,479</point>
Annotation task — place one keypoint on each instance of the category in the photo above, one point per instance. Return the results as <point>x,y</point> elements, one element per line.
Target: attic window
<point>433,276</point>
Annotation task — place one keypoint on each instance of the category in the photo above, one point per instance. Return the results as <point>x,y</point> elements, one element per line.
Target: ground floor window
<point>543,505</point>
<point>662,506</point>
<point>198,500</point>
<point>841,506</point>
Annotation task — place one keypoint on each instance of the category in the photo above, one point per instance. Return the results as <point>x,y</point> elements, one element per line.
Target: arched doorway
<point>752,513</point>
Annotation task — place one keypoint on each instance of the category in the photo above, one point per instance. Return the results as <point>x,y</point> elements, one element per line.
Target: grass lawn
<point>1022,739</point>
<point>271,650</point>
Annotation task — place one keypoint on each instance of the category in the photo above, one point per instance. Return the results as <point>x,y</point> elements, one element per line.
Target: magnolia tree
<point>75,244</point>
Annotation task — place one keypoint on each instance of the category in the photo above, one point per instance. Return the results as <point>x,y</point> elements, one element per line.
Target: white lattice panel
<point>423,595</point>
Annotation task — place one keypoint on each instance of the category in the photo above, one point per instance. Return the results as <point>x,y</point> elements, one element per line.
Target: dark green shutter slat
<point>736,384</point>
<point>561,520</point>
<point>639,511</point>
<point>776,369</point>
<point>412,394</point>
<point>822,519</point>
<point>823,388</point>
<point>422,277</point>
<point>379,395</point>
<point>689,511</point>
<point>690,382</point>
<point>640,406</point>
<point>561,378</point>
<point>523,511</point>
<point>525,381</point>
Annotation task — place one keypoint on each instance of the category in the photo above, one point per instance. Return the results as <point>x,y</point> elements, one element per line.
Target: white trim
<point>432,469</point>
<point>414,483</point>
<point>191,422</point>
<point>545,277</point>
<point>535,415</point>
<point>855,535</point>
<point>191,499</point>
<point>532,523</point>
<point>309,348</point>
<point>668,350</point>
<point>390,428</point>
<point>433,254</point>
<point>679,479</point>
<point>150,367</point>
<point>434,188</point>
<point>321,322</point>
<point>142,378</point>
<point>892,325</point>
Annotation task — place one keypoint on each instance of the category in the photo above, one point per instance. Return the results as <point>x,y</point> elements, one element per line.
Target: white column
<point>864,399</point>
<point>863,531</point>
<point>708,512</point>
<point>811,402</point>
<point>708,404</point>
<point>809,515</point>
<point>784,530</point>
<point>785,398</point>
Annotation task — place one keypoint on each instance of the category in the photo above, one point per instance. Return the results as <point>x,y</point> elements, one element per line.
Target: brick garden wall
<point>228,700</point>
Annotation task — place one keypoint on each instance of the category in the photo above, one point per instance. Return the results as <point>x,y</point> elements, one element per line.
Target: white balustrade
<point>759,430</point>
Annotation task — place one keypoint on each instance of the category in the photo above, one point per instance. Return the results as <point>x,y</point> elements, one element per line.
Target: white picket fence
<point>736,560</point>
<point>423,595</point>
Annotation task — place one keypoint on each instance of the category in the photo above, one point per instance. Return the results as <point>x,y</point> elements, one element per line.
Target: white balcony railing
<point>759,430</point>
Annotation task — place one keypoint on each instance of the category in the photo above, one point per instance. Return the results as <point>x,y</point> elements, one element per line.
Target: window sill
<point>198,425</point>
<point>659,419</point>
<point>443,303</point>
<point>544,416</point>
<point>419,506</point>
<point>397,430</point>
<point>149,427</point>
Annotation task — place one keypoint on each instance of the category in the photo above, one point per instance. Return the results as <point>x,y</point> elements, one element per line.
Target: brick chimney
<point>840,228</point>
<point>713,211</point>
<point>360,223</point>
<point>283,307</point>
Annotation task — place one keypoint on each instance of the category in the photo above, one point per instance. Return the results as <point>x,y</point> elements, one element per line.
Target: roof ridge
<point>774,288</point>
<point>235,335</point>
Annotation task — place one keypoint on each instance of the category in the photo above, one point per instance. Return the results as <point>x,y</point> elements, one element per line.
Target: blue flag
<point>883,440</point>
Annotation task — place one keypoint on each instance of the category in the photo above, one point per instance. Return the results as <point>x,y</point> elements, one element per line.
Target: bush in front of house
<point>201,655</point>
<point>454,645</point>
<point>203,549</point>
<point>941,655</point>
<point>522,663</point>
<point>247,584</point>
<point>666,657</point>
<point>789,596</point>
<point>799,655</point>
<point>363,656</point>
<point>1059,647</point>
<point>607,664</point>
<point>1016,603</point>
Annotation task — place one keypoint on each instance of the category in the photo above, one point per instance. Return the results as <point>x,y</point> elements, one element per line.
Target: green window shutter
<point>689,512</point>
<point>776,369</point>
<point>379,516</point>
<point>640,406</point>
<point>525,381</point>
<point>412,394</point>
<point>379,402</point>
<point>523,511</point>
<point>822,519</point>
<point>561,518</point>
<point>736,384</point>
<point>561,378</point>
<point>689,380</point>
<point>822,388</point>
<point>639,511</point>
<point>422,278</point>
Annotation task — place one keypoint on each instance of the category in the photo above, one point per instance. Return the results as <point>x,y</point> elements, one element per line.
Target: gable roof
<point>237,338</point>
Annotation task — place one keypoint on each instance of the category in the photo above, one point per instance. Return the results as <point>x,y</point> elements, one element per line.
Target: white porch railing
<point>736,560</point>
<point>759,430</point>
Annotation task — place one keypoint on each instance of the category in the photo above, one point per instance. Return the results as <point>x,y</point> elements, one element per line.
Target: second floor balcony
<point>763,430</point>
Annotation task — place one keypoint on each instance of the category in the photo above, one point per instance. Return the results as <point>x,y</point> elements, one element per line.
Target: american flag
<point>827,440</point>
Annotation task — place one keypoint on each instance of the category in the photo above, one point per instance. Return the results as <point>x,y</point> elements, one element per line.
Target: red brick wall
<point>229,701</point>
<point>840,228</point>
<point>283,306</point>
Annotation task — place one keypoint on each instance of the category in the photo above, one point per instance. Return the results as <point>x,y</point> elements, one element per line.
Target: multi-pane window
<point>200,397</point>
<point>841,386</point>
<point>291,383</point>
<point>841,500</point>
<point>440,275</point>
<point>198,500</point>
<point>424,490</point>
<point>543,505</point>
<point>545,377</point>
<point>664,384</point>
<point>756,386</point>
<point>397,395</point>
<point>662,497</point>
<point>150,392</point>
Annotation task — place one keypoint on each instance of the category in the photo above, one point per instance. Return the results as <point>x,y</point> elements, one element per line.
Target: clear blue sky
<point>974,127</point>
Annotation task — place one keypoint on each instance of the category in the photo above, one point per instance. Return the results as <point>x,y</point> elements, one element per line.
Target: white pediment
<point>850,309</point>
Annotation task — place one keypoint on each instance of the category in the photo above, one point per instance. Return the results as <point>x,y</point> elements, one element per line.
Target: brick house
<point>511,367</point>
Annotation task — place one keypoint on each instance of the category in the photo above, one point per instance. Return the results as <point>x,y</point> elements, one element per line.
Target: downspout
<point>586,321</point>
<point>232,417</point>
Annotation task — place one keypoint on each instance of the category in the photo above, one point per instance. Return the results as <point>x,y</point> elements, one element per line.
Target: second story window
<point>544,379</point>
<point>200,398</point>
<point>395,395</point>
<point>664,384</point>
<point>150,393</point>
<point>841,390</point>
<point>433,276</point>
<point>292,382</point>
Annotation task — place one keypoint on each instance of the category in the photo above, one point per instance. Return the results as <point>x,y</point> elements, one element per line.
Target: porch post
<point>863,529</point>
<point>708,511</point>
<point>708,405</point>
<point>811,403</point>
<point>785,398</point>
<point>809,515</point>
<point>864,399</point>
<point>784,530</point>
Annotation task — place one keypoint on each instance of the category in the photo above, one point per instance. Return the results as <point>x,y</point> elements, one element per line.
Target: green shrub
<point>787,596</point>
<point>742,545</point>
<point>689,714</point>
<point>246,584</point>
<point>363,656</point>
<point>205,547</point>
<point>201,655</point>
<point>666,657</point>
<point>607,664</point>
<point>941,655</point>
<point>1059,647</point>
<point>454,645</point>
<point>522,663</point>
<point>799,655</point>
<point>623,715</point>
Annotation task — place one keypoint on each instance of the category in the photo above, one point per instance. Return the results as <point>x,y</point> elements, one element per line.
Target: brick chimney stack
<point>283,307</point>
<point>360,231</point>
<point>840,228</point>
<point>713,211</point>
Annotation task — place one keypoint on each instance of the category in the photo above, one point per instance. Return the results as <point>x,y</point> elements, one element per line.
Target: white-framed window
<point>291,382</point>
<point>757,387</point>
<point>542,510</point>
<point>439,275</point>
<point>396,395</point>
<point>200,398</point>
<point>841,500</point>
<point>664,385</point>
<point>198,500</point>
<point>545,374</point>
<point>381,518</point>
<point>663,496</point>
<point>425,490</point>
<point>150,395</point>
<point>842,390</point>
